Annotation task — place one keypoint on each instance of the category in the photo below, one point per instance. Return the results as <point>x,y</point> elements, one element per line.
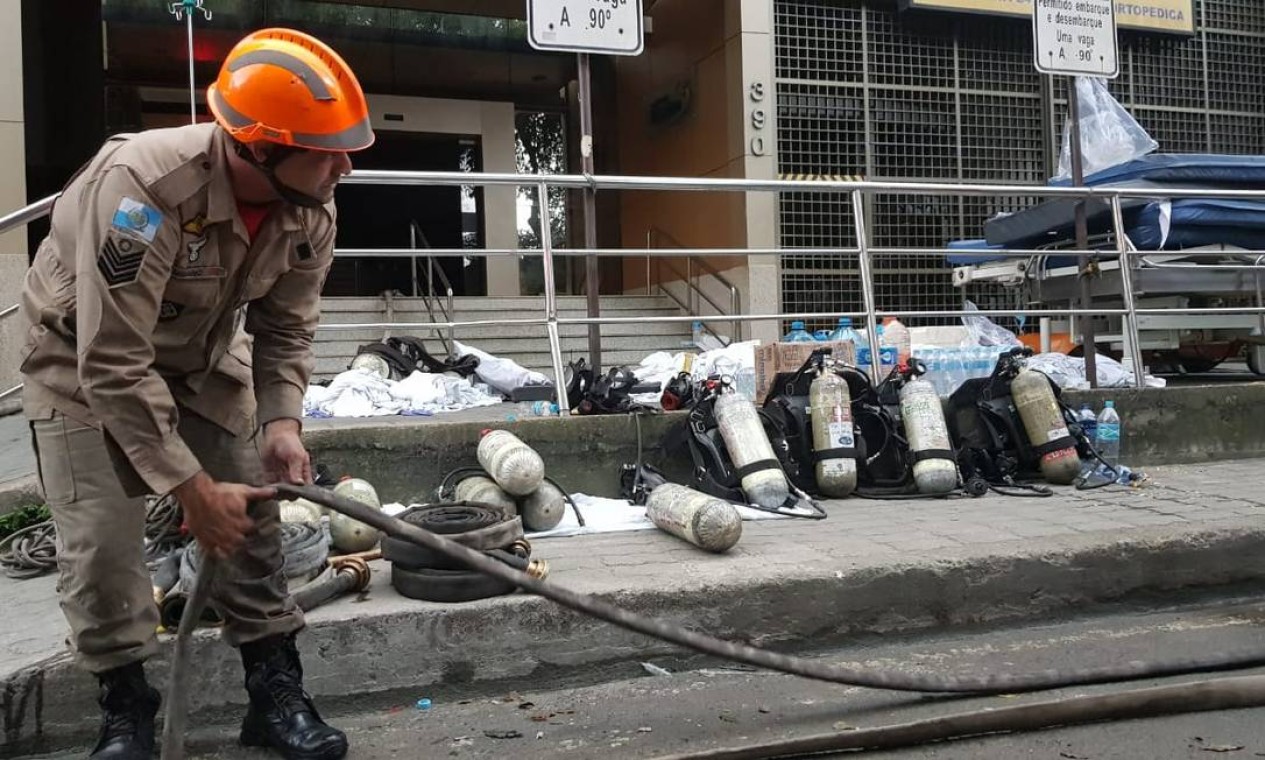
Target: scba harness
<point>714,471</point>
<point>992,442</point>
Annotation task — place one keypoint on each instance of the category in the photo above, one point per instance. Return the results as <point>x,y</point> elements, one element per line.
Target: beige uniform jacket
<point>137,297</point>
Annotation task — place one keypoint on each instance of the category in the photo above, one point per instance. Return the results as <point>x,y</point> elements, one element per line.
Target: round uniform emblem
<point>137,219</point>
<point>125,246</point>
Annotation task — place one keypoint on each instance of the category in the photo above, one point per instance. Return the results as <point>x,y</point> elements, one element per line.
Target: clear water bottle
<point>1089,422</point>
<point>897,335</point>
<point>845,334</point>
<point>954,370</point>
<point>1107,435</point>
<point>744,382</point>
<point>537,409</point>
<point>933,359</point>
<point>697,332</point>
<point>798,334</point>
<point>889,353</point>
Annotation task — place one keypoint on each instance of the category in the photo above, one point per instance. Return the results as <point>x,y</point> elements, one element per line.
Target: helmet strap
<point>268,167</point>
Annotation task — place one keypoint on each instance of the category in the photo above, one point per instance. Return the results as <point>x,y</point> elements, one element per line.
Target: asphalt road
<point>632,713</point>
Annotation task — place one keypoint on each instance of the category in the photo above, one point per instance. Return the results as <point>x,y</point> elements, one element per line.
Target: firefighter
<point>172,310</point>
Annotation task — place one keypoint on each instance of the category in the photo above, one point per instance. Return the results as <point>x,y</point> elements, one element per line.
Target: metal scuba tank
<point>543,508</point>
<point>1044,424</point>
<point>831,411</point>
<point>350,535</point>
<point>483,490</point>
<point>747,444</point>
<point>927,431</point>
<point>515,466</point>
<point>705,521</point>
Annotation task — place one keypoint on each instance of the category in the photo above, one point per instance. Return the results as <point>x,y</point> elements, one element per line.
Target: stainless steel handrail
<point>690,308</point>
<point>26,215</point>
<point>858,190</point>
<point>415,232</point>
<point>734,297</point>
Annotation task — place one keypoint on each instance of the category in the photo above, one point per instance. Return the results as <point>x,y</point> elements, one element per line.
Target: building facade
<point>939,90</point>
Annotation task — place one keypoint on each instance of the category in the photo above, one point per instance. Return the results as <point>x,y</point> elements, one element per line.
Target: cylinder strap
<point>845,453</point>
<point>925,454</point>
<point>758,466</point>
<point>1052,446</point>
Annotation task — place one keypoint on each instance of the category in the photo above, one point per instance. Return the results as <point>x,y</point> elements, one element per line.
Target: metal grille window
<point>865,90</point>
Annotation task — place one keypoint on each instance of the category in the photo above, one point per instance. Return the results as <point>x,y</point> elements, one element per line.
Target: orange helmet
<point>286,87</point>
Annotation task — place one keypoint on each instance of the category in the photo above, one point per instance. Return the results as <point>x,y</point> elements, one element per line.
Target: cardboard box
<point>788,357</point>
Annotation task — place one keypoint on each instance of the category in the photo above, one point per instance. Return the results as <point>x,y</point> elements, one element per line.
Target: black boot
<point>128,704</point>
<point>281,715</point>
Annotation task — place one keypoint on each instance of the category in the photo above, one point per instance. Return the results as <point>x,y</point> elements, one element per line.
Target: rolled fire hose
<point>896,681</point>
<point>304,547</point>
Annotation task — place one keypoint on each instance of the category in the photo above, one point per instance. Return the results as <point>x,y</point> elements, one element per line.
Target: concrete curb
<point>415,646</point>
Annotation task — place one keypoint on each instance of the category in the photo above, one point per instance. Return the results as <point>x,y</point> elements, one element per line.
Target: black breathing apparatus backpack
<point>884,461</point>
<point>714,471</point>
<point>991,439</point>
<point>405,355</point>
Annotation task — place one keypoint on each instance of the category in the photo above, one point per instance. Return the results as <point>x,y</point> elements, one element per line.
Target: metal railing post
<point>551,303</point>
<point>1126,286</point>
<point>412,243</point>
<point>867,284</point>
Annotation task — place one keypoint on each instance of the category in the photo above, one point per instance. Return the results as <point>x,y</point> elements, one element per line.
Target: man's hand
<point>285,459</point>
<point>216,512</point>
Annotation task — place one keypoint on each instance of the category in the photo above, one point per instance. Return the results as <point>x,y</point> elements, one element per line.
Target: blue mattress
<point>1194,222</point>
<point>1187,169</point>
<point>1201,221</point>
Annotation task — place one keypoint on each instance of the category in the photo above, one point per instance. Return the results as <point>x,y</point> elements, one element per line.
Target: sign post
<point>1078,38</point>
<point>610,27</point>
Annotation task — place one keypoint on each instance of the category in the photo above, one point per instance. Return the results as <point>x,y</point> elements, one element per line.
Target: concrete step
<point>622,343</point>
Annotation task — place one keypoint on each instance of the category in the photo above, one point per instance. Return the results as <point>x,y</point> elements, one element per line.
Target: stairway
<point>626,343</point>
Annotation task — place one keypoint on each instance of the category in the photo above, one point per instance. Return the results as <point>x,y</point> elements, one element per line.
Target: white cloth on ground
<point>362,393</point>
<point>503,375</point>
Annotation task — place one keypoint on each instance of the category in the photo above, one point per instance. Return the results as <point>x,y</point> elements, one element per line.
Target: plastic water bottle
<point>888,352</point>
<point>954,370</point>
<point>697,332</point>
<point>896,334</point>
<point>538,409</point>
<point>744,382</point>
<point>845,334</point>
<point>1089,422</point>
<point>798,334</point>
<point>1107,436</point>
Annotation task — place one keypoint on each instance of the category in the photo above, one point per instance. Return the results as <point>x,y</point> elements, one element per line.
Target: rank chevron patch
<point>120,259</point>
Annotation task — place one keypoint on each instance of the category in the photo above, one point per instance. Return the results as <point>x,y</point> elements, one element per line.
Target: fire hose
<point>896,681</point>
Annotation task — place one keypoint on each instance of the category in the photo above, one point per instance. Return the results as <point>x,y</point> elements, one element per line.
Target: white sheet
<point>603,515</point>
<point>361,393</point>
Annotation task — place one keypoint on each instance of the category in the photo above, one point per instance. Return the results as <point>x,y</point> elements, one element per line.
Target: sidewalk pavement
<point>872,567</point>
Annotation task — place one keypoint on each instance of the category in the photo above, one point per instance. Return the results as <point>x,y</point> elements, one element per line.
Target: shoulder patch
<point>120,259</point>
<point>136,218</point>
